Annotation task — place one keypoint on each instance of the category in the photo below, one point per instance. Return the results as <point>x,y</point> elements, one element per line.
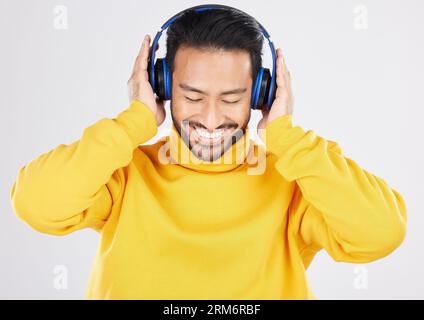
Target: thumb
<point>260,128</point>
<point>160,111</point>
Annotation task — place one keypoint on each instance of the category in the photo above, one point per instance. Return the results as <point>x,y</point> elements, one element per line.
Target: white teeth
<point>205,134</point>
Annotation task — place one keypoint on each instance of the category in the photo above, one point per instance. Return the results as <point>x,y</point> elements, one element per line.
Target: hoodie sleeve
<point>336,205</point>
<point>74,186</point>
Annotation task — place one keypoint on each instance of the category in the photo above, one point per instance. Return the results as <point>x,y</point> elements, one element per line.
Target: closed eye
<point>193,100</point>
<point>197,100</point>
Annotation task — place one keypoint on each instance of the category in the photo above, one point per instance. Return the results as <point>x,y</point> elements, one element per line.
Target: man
<point>197,227</point>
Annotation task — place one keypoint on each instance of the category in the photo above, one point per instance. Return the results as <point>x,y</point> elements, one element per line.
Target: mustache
<point>200,125</point>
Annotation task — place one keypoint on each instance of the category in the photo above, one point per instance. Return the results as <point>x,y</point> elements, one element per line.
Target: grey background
<point>359,87</point>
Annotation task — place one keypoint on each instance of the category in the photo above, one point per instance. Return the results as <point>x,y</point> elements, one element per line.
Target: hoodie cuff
<point>280,134</point>
<point>138,121</point>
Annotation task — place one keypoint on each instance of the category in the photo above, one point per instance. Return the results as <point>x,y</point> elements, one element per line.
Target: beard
<point>210,152</point>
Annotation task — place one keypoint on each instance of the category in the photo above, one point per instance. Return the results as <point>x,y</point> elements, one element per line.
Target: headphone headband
<point>205,7</point>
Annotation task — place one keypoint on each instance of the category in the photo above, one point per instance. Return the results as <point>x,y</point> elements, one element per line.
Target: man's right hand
<point>139,87</point>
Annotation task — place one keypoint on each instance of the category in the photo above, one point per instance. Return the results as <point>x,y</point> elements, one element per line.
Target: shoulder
<point>150,152</point>
<point>259,157</point>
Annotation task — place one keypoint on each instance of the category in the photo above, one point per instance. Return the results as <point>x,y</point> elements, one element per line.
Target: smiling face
<point>210,104</point>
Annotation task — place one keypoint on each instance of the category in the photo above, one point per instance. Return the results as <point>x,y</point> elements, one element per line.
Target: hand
<point>284,100</point>
<point>139,87</point>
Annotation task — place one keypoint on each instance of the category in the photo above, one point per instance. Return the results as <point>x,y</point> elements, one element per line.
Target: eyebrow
<point>190,88</point>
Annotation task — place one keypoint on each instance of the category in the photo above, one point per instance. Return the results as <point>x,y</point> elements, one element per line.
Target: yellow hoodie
<point>177,229</point>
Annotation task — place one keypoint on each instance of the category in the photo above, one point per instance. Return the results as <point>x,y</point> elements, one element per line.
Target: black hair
<point>216,29</point>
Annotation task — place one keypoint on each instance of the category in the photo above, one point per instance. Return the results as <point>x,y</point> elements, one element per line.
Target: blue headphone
<point>263,88</point>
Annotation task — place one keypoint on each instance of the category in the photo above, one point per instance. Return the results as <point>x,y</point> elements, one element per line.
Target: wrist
<point>138,121</point>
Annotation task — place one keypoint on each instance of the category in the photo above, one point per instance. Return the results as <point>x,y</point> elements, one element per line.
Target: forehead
<point>212,66</point>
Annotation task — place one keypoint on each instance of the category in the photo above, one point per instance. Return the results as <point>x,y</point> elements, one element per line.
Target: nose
<point>212,116</point>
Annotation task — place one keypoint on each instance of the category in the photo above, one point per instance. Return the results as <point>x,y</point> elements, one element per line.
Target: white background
<point>360,87</point>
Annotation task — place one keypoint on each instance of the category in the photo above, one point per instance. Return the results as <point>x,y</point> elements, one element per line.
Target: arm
<point>352,214</point>
<point>74,186</point>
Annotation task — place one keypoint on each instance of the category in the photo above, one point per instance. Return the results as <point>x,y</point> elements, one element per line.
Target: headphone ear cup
<point>256,89</point>
<point>163,85</point>
<point>159,88</point>
<point>168,81</point>
<point>264,85</point>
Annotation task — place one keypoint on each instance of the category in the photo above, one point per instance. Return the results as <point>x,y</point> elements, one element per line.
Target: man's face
<point>210,104</point>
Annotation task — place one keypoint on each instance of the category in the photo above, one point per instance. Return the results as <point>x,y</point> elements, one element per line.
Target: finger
<point>161,113</point>
<point>281,81</point>
<point>137,63</point>
<point>287,76</point>
<point>289,81</point>
<point>264,112</point>
<point>284,70</point>
<point>260,128</point>
<point>159,102</point>
<point>286,73</point>
<point>144,54</point>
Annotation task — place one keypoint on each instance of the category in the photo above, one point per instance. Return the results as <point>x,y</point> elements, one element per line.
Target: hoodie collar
<point>233,157</point>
